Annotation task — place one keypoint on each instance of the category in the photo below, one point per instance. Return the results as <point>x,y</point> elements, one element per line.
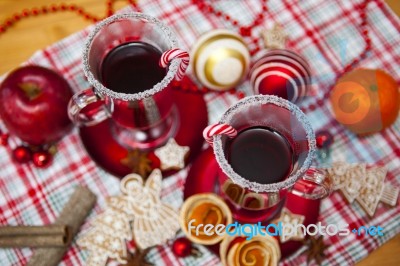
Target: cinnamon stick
<point>33,230</point>
<point>34,236</point>
<point>33,241</point>
<point>73,215</point>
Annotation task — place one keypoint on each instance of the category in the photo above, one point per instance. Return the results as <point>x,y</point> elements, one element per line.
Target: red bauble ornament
<point>324,139</point>
<point>42,159</point>
<point>282,73</point>
<point>22,154</point>
<point>182,247</point>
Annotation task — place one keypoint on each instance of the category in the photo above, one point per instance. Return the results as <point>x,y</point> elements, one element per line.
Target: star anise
<point>316,249</point>
<point>138,259</point>
<point>139,162</point>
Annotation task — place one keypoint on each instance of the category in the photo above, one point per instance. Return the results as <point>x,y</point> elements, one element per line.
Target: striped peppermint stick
<point>170,55</point>
<point>218,129</point>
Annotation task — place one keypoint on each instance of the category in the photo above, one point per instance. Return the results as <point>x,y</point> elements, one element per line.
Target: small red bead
<point>35,12</point>
<point>17,17</point>
<point>45,9</point>
<point>227,17</point>
<point>240,95</point>
<point>22,154</point>
<point>182,247</point>
<point>235,22</point>
<point>264,8</point>
<point>25,13</point>
<point>219,13</point>
<point>2,29</point>
<point>9,22</point>
<point>42,159</point>
<point>73,7</point>
<point>245,31</point>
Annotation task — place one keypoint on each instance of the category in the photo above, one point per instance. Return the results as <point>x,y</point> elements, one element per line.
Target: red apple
<point>33,104</point>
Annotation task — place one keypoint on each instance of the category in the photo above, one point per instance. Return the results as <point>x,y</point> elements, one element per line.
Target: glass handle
<point>86,108</point>
<point>315,184</point>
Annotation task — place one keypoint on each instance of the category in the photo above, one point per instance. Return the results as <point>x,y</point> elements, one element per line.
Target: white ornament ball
<point>220,59</point>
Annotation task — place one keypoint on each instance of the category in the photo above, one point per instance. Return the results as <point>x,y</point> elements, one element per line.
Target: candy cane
<point>218,129</point>
<point>170,55</point>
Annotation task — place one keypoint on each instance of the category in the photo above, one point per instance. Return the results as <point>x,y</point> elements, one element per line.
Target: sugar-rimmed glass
<point>154,106</point>
<point>255,202</point>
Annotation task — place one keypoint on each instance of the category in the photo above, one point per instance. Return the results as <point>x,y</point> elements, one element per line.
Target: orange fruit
<point>366,100</point>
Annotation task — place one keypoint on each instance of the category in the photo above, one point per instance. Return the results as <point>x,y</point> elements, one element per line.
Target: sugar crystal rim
<point>172,68</point>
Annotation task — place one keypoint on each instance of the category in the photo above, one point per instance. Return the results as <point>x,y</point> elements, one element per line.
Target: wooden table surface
<point>18,44</point>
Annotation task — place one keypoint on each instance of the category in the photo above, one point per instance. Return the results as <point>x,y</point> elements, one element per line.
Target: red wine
<point>260,155</point>
<point>131,68</point>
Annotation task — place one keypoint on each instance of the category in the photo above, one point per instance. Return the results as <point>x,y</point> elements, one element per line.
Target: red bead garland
<point>54,8</point>
<point>368,44</point>
<point>245,31</point>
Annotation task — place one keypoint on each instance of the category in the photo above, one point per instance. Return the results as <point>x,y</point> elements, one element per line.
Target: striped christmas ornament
<point>282,73</point>
<point>220,59</point>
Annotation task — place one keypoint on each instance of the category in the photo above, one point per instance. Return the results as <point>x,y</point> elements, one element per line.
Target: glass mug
<point>143,117</point>
<point>260,198</point>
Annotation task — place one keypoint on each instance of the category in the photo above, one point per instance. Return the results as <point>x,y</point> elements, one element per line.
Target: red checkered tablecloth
<point>324,32</point>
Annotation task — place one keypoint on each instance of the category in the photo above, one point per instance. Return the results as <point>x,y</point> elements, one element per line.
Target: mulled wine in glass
<point>121,62</point>
<point>272,151</point>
